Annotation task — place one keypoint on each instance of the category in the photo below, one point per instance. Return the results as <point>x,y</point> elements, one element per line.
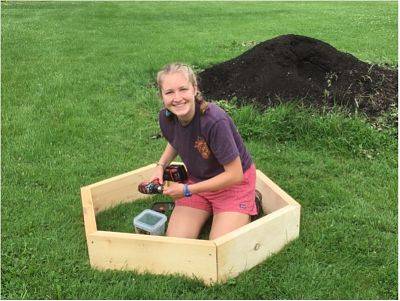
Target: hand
<point>174,190</point>
<point>158,174</point>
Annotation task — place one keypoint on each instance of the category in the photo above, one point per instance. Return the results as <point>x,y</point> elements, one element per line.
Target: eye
<point>169,92</point>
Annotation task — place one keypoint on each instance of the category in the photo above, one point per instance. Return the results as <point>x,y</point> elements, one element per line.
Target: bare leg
<point>225,222</point>
<point>186,222</point>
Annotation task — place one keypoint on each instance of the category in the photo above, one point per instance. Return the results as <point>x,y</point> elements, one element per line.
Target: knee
<point>226,222</point>
<point>181,233</point>
<point>186,222</point>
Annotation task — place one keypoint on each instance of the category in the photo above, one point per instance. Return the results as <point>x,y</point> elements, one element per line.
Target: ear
<point>196,90</point>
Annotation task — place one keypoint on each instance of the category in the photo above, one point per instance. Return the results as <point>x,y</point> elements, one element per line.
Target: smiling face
<point>178,94</point>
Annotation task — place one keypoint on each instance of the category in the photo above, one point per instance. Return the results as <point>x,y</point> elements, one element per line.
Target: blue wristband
<point>186,190</point>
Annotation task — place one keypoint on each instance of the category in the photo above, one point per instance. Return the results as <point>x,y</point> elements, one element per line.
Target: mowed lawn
<point>79,105</point>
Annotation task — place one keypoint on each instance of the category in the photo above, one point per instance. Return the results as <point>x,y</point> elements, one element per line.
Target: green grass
<point>79,106</point>
<point>120,218</point>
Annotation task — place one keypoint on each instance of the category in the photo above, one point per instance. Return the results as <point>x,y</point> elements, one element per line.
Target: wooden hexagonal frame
<point>209,260</point>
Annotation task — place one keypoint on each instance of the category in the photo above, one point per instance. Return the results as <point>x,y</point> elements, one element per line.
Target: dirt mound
<point>297,67</point>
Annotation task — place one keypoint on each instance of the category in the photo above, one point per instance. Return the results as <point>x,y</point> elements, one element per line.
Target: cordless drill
<point>173,172</point>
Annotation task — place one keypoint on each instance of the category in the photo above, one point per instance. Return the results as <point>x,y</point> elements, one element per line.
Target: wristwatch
<point>186,191</point>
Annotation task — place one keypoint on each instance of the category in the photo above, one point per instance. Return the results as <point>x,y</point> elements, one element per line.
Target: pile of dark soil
<point>293,67</point>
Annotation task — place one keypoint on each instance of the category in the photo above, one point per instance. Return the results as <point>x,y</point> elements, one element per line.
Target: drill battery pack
<point>175,173</point>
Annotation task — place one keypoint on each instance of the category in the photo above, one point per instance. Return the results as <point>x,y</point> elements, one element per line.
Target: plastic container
<point>150,222</point>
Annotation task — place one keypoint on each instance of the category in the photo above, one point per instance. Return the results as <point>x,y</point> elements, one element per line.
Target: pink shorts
<point>236,198</point>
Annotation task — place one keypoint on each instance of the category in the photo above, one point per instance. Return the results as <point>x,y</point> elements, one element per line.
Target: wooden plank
<point>119,189</point>
<point>89,217</point>
<point>274,197</point>
<point>155,254</point>
<point>247,246</point>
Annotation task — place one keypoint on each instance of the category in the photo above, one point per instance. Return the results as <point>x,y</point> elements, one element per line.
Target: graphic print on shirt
<point>202,147</point>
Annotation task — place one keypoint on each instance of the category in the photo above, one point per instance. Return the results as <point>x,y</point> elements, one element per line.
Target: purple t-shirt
<point>207,143</point>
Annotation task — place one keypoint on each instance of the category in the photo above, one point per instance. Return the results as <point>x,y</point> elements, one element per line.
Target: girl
<point>221,172</point>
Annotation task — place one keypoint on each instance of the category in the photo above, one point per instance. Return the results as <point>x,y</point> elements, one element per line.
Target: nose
<point>177,97</point>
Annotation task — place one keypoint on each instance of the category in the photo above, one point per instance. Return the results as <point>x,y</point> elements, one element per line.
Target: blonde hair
<point>186,70</point>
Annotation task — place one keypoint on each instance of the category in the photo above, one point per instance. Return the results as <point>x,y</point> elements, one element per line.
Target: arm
<point>233,174</point>
<point>166,158</point>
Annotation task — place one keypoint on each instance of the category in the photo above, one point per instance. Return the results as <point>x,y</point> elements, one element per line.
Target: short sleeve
<point>222,142</point>
<point>166,129</point>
